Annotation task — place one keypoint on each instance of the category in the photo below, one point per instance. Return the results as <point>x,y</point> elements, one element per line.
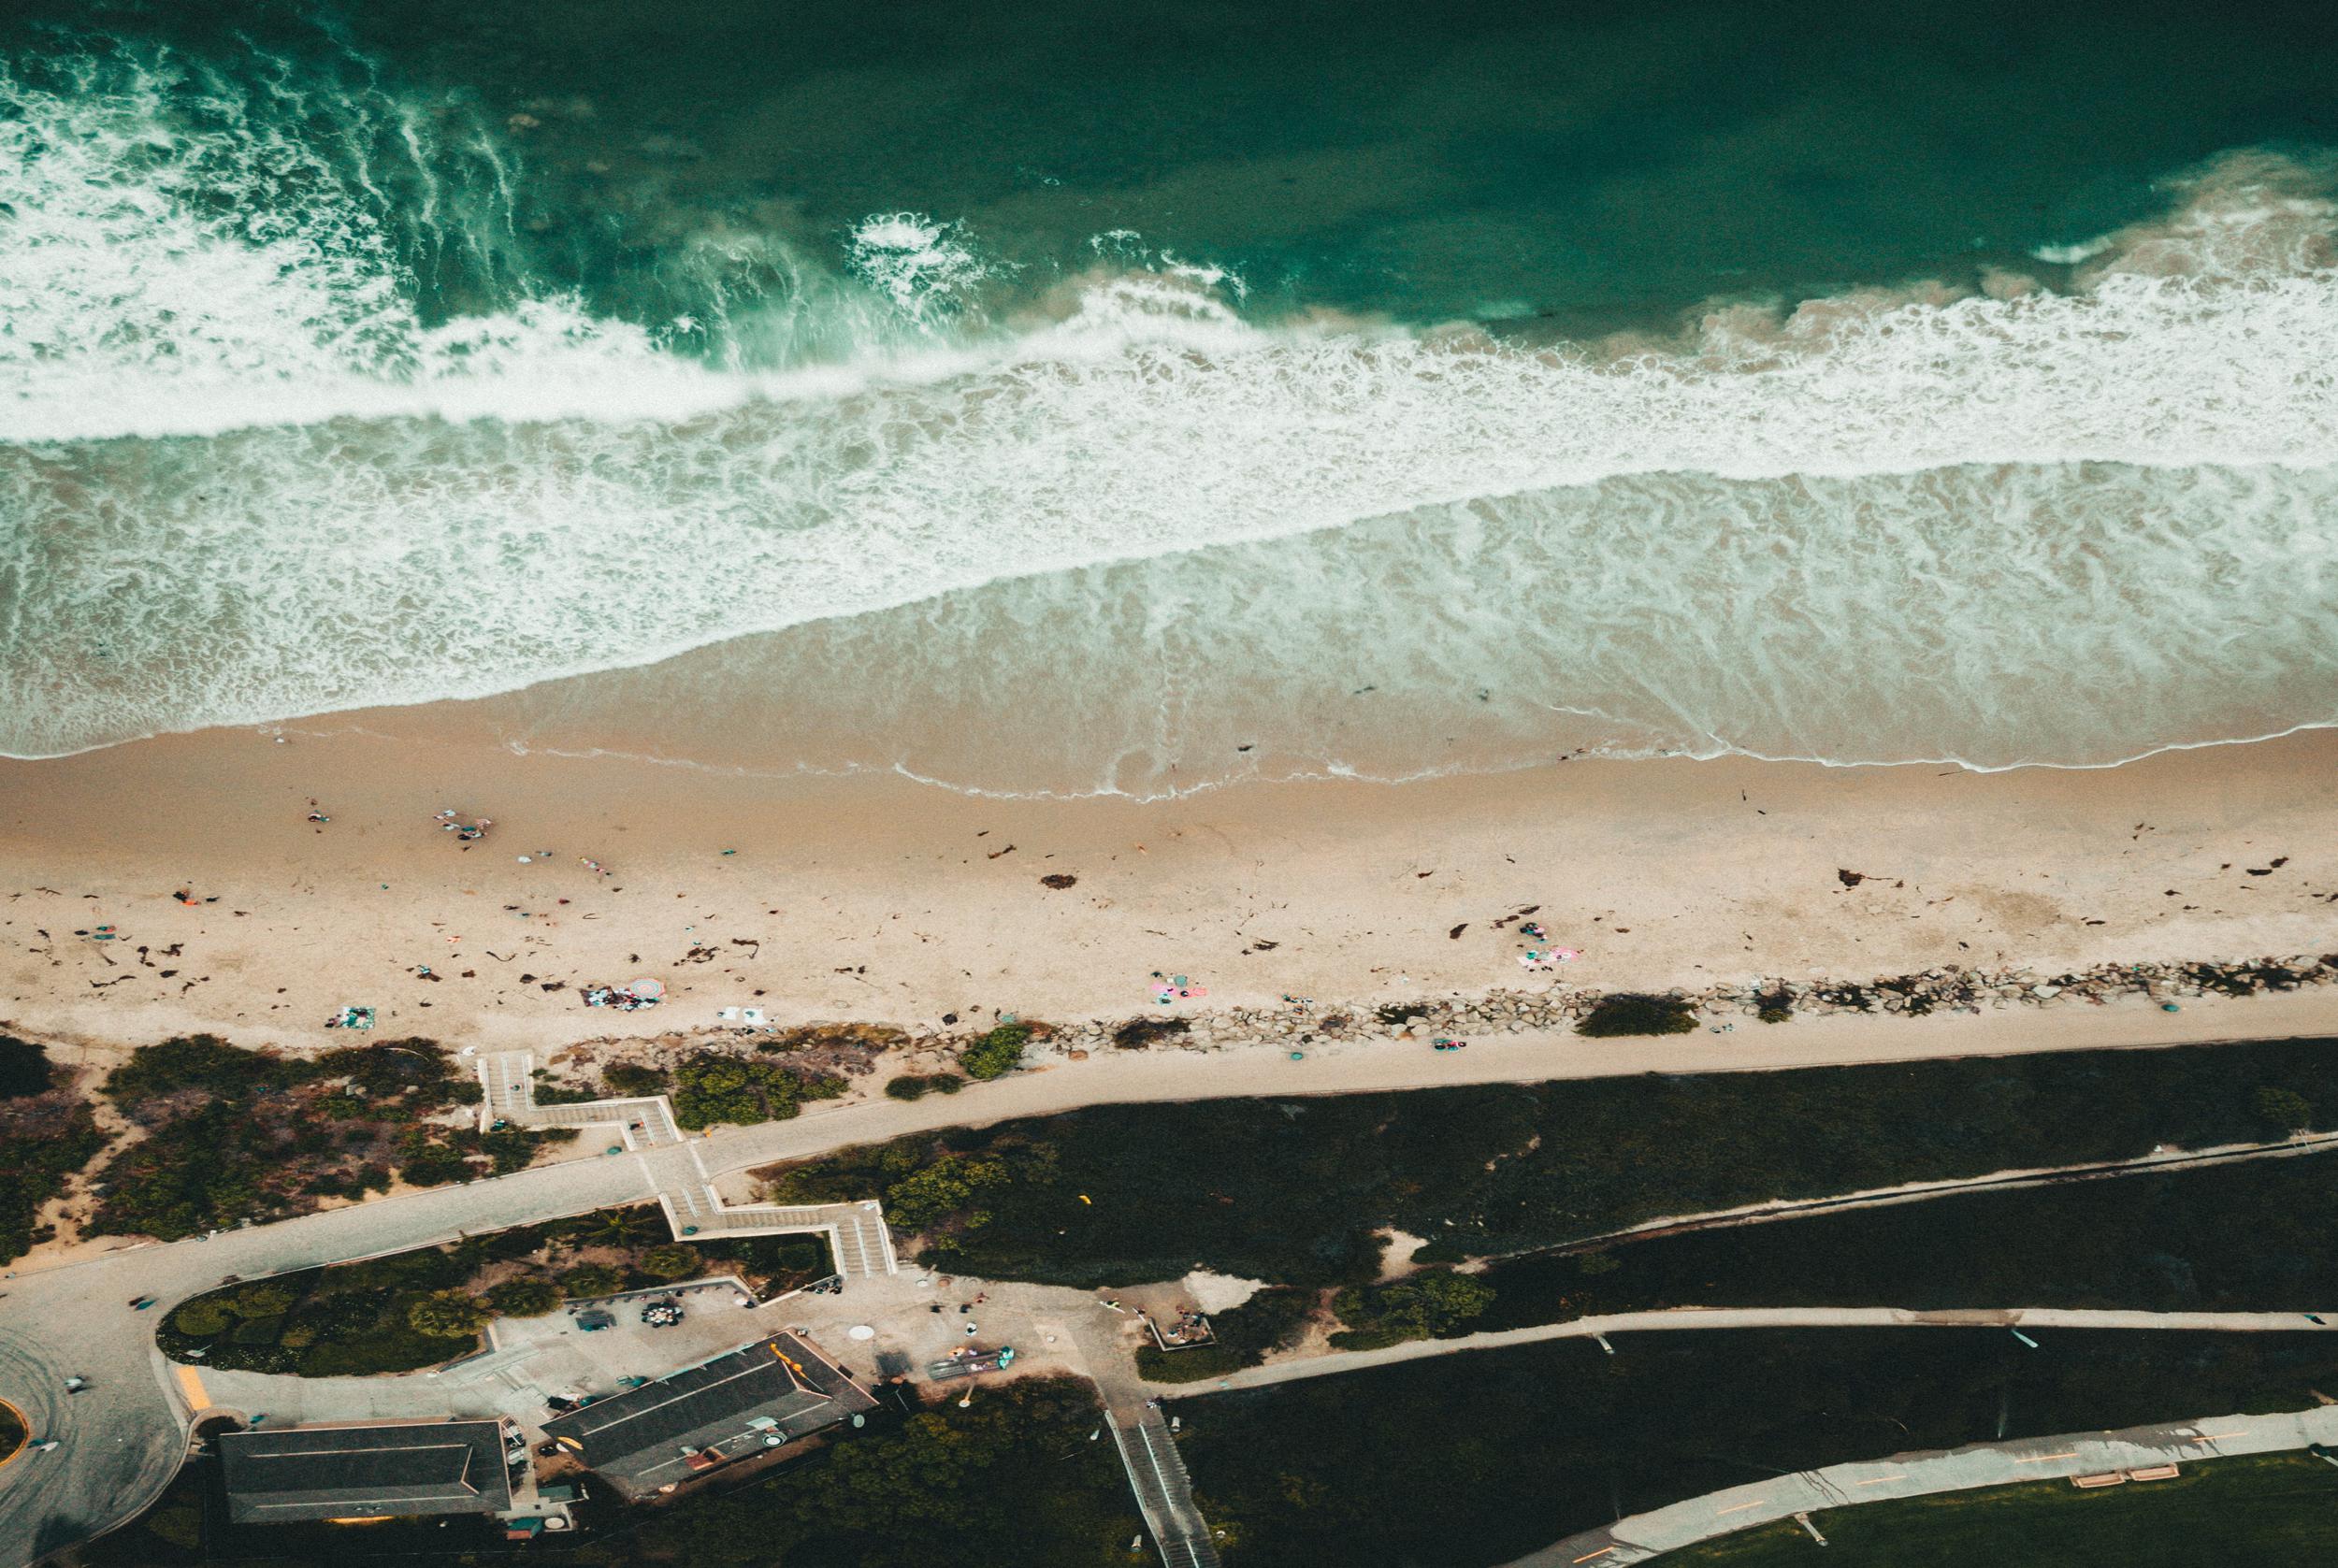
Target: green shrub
<point>264,1300</point>
<point>632,1080</point>
<point>2285,1110</point>
<point>944,1083</point>
<point>199,1061</point>
<point>1138,1033</point>
<point>1632,1013</point>
<point>195,1174</point>
<point>563,1094</point>
<point>38,1161</point>
<point>711,1087</point>
<point>1423,1307</point>
<point>258,1331</point>
<point>523,1298</point>
<point>202,1318</point>
<point>673,1261</point>
<point>995,1053</point>
<point>434,1166</point>
<point>1195,1365</point>
<point>909,1086</point>
<point>24,1068</point>
<point>590,1279</point>
<point>447,1314</point>
<point>182,1526</point>
<point>521,1241</point>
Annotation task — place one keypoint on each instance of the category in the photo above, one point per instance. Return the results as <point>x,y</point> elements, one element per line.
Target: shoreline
<point>876,899</point>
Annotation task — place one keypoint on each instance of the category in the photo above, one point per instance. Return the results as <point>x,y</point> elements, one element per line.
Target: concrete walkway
<point>1643,1536</point>
<point>1102,1350</point>
<point>856,1235</point>
<point>1675,1319</point>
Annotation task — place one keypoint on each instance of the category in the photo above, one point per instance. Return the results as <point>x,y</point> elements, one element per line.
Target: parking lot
<point>532,1358</point>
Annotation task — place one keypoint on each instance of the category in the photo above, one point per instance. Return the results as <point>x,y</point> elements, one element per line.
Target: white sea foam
<point>929,271</point>
<point>246,479</point>
<point>2071,256</point>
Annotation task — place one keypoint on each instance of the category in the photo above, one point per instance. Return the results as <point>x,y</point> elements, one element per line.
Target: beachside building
<point>764,1396</point>
<point>365,1472</point>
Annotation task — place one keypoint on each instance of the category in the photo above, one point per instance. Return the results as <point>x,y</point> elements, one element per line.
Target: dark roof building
<point>365,1472</point>
<point>770,1393</point>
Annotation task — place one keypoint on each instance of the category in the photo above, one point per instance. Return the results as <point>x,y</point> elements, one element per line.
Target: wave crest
<point>246,477</point>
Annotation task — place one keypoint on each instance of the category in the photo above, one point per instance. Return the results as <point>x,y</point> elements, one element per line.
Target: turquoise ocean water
<point>1133,396</point>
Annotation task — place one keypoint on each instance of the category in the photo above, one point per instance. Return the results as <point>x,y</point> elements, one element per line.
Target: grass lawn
<point>2272,1510</point>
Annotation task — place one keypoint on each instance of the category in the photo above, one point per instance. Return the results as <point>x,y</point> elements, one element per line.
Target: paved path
<point>1140,1429</point>
<point>1676,1318</point>
<point>1643,1536</point>
<point>857,1235</point>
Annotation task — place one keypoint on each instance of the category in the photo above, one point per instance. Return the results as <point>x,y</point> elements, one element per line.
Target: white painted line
<point>1742,1507</point>
<point>1879,1480</point>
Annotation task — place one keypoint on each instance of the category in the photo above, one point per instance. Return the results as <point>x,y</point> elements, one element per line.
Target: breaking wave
<point>291,422</point>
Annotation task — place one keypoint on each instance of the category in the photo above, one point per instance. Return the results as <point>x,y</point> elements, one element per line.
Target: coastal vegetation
<point>709,1087</point>
<point>2268,1509</point>
<point>2256,1237</point>
<point>416,1309</point>
<point>25,1070</point>
<point>996,1051</point>
<point>1431,1305</point>
<point>1479,1458</point>
<point>234,1134</point>
<point>1291,1191</point>
<point>1632,1013</point>
<point>916,1086</point>
<point>49,1134</point>
<point>1273,1319</point>
<point>1012,1477</point>
<point>627,1080</point>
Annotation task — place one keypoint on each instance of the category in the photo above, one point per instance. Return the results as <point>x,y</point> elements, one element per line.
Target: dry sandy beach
<point>877,898</point>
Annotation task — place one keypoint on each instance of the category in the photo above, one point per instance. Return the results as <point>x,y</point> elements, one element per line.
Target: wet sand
<point>877,898</point>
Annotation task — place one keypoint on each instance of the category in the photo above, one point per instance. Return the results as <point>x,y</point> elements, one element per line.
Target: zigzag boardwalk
<point>857,1235</point>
